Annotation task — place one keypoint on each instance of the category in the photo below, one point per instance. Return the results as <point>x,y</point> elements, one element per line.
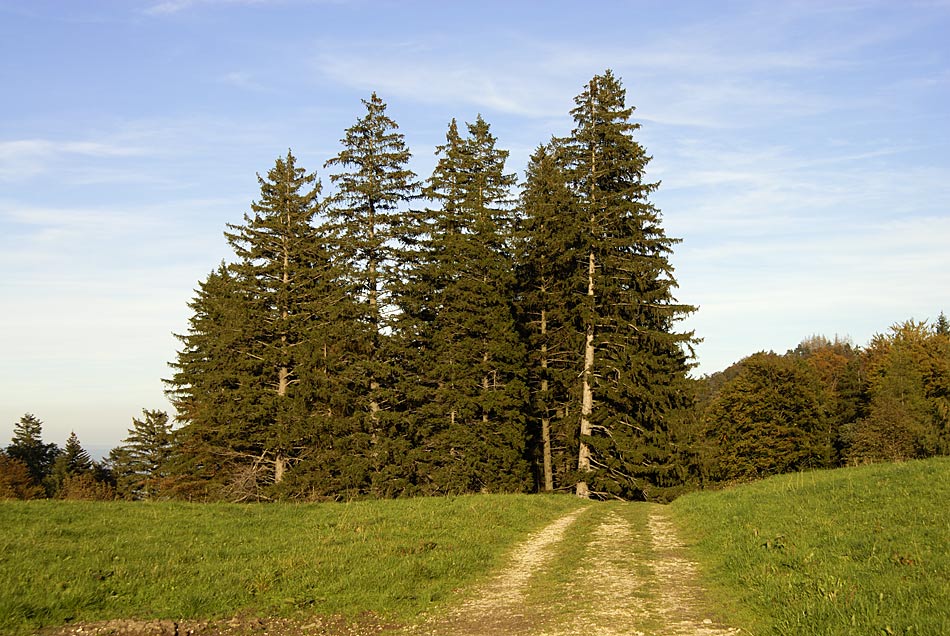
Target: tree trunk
<point>283,374</point>
<point>374,319</point>
<point>545,417</point>
<point>587,395</point>
<point>485,385</point>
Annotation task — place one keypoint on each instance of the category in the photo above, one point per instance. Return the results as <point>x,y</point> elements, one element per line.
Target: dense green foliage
<point>768,419</point>
<point>366,225</point>
<point>78,561</point>
<point>636,366</point>
<point>140,463</point>
<point>549,283</point>
<point>846,552</point>
<point>29,448</point>
<point>608,368</point>
<point>255,380</point>
<point>470,417</point>
<point>825,404</point>
<point>358,347</point>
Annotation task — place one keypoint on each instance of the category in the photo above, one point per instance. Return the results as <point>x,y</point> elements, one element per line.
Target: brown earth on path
<point>631,581</point>
<point>365,625</point>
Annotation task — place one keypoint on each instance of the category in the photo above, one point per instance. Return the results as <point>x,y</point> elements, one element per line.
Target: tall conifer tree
<point>238,383</point>
<point>551,281</point>
<point>141,463</point>
<point>208,388</point>
<point>28,446</point>
<point>472,425</point>
<point>634,362</point>
<point>367,219</point>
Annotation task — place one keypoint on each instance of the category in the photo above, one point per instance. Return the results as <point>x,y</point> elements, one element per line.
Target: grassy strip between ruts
<point>580,580</point>
<point>861,551</point>
<point>75,561</point>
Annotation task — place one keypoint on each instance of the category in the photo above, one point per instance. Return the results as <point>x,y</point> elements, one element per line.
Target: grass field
<point>863,551</point>
<point>77,561</point>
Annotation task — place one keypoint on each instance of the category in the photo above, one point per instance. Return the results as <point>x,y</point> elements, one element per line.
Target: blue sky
<point>803,148</point>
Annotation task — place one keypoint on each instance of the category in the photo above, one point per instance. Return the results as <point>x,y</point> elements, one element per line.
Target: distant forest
<point>399,337</point>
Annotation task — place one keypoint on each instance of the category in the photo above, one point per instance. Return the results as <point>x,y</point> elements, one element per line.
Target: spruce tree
<point>74,457</point>
<point>211,375</point>
<point>141,462</point>
<point>367,219</point>
<point>942,326</point>
<point>634,362</point>
<point>238,386</point>
<point>426,265</point>
<point>471,427</point>
<point>550,281</point>
<point>73,461</point>
<point>27,446</point>
<point>278,250</point>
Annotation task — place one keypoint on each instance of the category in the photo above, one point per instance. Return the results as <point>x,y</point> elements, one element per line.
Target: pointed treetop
<point>28,431</point>
<point>373,159</point>
<point>74,457</point>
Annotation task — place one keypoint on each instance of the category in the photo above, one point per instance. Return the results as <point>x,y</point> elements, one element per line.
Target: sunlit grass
<point>85,561</point>
<point>854,551</point>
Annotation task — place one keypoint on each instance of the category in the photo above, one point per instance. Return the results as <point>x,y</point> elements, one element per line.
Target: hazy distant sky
<point>803,148</point>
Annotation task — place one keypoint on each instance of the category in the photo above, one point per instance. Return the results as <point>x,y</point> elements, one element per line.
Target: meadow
<point>856,551</point>
<point>862,550</point>
<point>76,561</point>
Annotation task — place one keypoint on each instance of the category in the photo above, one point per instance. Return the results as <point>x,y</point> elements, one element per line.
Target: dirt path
<point>633,578</point>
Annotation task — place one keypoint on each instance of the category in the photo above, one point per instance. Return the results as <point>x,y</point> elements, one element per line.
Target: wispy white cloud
<point>168,7</point>
<point>160,153</point>
<point>8,149</point>
<point>243,80</point>
<point>702,75</point>
<point>426,79</point>
<point>742,184</point>
<point>88,244</point>
<point>23,158</point>
<point>770,294</point>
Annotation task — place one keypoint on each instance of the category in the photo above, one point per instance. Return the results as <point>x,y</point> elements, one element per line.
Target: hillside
<point>850,551</point>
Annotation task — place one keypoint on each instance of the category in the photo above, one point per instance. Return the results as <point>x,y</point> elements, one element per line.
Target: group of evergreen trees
<point>33,469</point>
<point>824,404</point>
<point>402,337</point>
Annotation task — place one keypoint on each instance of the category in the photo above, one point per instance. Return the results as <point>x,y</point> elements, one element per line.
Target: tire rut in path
<point>498,605</point>
<point>679,601</point>
<point>634,579</point>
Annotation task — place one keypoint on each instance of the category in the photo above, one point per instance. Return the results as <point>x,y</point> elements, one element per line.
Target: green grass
<point>77,561</point>
<point>858,551</point>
